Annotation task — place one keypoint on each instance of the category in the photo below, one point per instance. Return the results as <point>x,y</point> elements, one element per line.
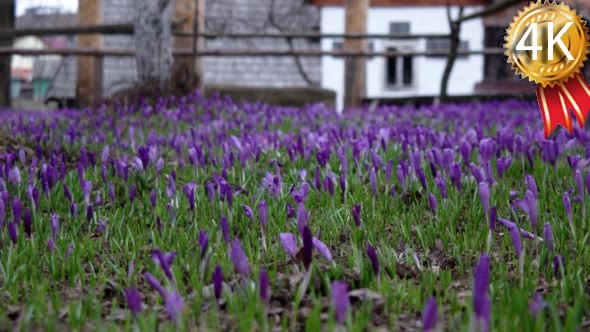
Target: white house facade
<point>394,77</point>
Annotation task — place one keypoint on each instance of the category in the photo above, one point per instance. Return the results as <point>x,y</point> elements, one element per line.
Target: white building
<point>406,76</point>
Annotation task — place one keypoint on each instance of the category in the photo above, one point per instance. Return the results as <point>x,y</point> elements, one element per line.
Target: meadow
<point>186,213</point>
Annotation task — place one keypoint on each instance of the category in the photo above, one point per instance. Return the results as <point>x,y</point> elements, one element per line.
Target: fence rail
<point>128,29</point>
<point>237,53</point>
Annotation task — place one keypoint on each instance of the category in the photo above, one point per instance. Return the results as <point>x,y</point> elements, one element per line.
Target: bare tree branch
<point>490,10</point>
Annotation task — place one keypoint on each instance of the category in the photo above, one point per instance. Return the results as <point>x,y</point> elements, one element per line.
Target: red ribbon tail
<point>554,109</point>
<point>577,95</point>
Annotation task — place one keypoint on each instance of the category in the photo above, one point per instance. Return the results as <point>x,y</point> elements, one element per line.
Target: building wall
<point>243,16</point>
<point>118,72</point>
<point>227,16</point>
<point>427,71</point>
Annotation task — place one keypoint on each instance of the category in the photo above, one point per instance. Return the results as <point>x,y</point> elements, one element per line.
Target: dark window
<point>496,67</point>
<point>338,46</point>
<point>399,28</point>
<point>399,69</point>
<point>407,67</point>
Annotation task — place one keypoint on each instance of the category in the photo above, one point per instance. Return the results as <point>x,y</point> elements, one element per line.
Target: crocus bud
<point>430,315</point>
<point>264,286</point>
<point>373,258</point>
<point>339,290</point>
<point>289,243</point>
<point>12,233</point>
<point>432,200</point>
<point>548,237</point>
<point>239,258</point>
<point>356,214</point>
<point>217,281</point>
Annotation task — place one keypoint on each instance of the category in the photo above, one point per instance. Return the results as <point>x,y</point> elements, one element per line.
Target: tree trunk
<point>455,39</point>
<point>153,42</point>
<point>355,67</point>
<point>7,8</point>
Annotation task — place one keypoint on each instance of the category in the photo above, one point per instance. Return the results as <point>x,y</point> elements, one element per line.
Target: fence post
<point>90,70</point>
<point>6,21</point>
<point>355,67</point>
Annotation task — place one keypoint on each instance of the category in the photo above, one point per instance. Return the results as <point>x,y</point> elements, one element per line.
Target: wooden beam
<point>355,70</point>
<point>89,81</point>
<point>7,8</point>
<point>273,53</point>
<point>127,29</point>
<point>182,71</point>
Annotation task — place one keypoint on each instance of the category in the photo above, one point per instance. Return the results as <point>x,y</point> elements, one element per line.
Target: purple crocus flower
<point>532,185</point>
<point>2,214</point>
<point>203,242</point>
<point>68,193</point>
<point>12,232</point>
<point>164,260</point>
<point>101,227</point>
<point>356,214</point>
<point>579,180</point>
<point>484,195</point>
<point>533,210</point>
<point>153,282</point>
<point>174,304</point>
<point>290,211</point>
<point>248,212</point>
<point>16,209</point>
<point>373,181</point>
<point>339,290</point>
<point>132,193</point>
<point>73,209</point>
<point>27,223</point>
<point>54,224</point>
<point>502,165</point>
<point>307,247</point>
<point>536,304</point>
<point>322,248</point>
<point>264,286</point>
<point>432,200</point>
<point>189,192</point>
<point>442,187</point>
<point>373,258</point>
<point>567,205</point>
<point>289,243</point>
<point>481,298</point>
<point>217,281</point>
<point>89,212</point>
<point>516,241</point>
<point>86,190</point>
<point>51,244</point>
<point>133,299</point>
<point>548,236</point>
<point>401,177</point>
<point>225,229</point>
<point>112,191</point>
<point>153,198</point>
<point>477,173</point>
<point>493,218</point>
<point>430,315</point>
<point>302,218</point>
<point>69,250</point>
<point>239,259</point>
<point>456,176</point>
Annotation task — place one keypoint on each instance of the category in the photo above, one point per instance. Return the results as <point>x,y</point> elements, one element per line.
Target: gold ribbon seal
<point>548,44</point>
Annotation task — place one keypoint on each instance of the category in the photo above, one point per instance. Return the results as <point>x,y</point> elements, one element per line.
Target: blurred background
<point>70,53</point>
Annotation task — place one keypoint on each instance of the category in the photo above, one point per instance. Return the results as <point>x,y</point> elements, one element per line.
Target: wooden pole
<point>184,18</point>
<point>89,83</point>
<point>199,45</point>
<point>7,8</point>
<point>355,68</point>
